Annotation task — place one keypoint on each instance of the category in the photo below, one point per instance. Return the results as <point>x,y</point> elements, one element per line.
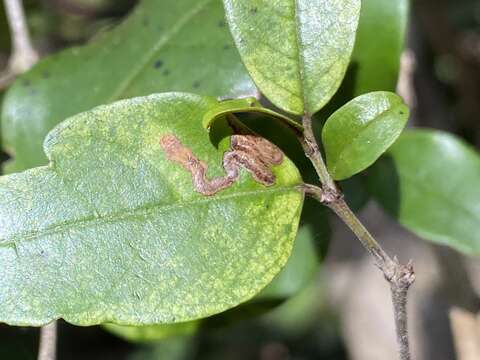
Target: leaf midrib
<point>123,86</point>
<point>301,59</point>
<point>139,211</point>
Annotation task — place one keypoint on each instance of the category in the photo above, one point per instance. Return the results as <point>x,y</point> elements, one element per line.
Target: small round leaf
<point>362,130</point>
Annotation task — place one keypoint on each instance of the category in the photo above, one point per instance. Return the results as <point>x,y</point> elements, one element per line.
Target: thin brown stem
<point>403,278</point>
<point>311,149</point>
<point>48,342</point>
<point>23,54</point>
<point>400,277</point>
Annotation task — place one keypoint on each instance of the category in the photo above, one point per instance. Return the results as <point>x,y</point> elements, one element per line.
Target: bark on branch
<point>23,55</point>
<point>48,342</point>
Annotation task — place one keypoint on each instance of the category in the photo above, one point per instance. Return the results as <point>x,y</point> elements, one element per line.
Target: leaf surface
<point>299,272</point>
<point>179,45</point>
<point>115,229</point>
<point>360,131</point>
<point>379,45</point>
<point>297,51</point>
<point>429,180</point>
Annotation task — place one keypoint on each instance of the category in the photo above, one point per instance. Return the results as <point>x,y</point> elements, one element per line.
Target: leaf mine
<point>251,152</point>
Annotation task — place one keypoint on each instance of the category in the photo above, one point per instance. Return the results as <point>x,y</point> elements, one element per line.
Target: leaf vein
<point>160,43</point>
<point>134,213</point>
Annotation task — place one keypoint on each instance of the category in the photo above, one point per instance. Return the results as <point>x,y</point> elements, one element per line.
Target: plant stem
<point>23,55</point>
<point>48,342</point>
<point>400,277</point>
<point>311,149</point>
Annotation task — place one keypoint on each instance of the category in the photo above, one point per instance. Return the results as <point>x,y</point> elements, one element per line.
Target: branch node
<point>403,276</point>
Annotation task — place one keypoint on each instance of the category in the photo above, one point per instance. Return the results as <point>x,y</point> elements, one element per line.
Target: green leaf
<point>375,60</point>
<point>179,45</point>
<point>176,348</point>
<point>379,45</point>
<point>246,105</point>
<point>362,130</point>
<point>429,181</point>
<point>116,230</point>
<point>309,248</point>
<point>297,51</point>
<point>301,268</point>
<point>152,333</point>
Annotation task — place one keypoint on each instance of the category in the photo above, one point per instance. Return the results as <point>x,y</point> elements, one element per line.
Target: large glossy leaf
<point>430,181</point>
<point>116,230</point>
<point>361,130</point>
<point>309,247</point>
<point>297,51</point>
<point>179,45</point>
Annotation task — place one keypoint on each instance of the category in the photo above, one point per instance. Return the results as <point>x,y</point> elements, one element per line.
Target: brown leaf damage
<point>251,152</point>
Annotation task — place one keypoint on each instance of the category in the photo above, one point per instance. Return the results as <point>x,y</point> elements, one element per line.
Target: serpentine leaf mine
<point>252,152</point>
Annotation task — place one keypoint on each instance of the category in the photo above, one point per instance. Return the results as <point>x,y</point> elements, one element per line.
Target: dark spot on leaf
<point>46,75</point>
<point>158,64</point>
<point>196,84</point>
<point>145,22</point>
<point>253,10</point>
<point>166,72</point>
<point>26,82</point>
<point>226,47</point>
<point>221,23</point>
<point>42,252</point>
<point>401,112</point>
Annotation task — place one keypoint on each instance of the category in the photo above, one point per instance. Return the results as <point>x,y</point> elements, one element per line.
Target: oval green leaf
<point>113,229</point>
<point>179,45</point>
<point>430,181</point>
<point>360,131</point>
<point>297,51</point>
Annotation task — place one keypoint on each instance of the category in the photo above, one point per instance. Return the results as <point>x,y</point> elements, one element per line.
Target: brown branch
<point>48,342</point>
<point>311,149</point>
<point>23,55</point>
<point>400,277</point>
